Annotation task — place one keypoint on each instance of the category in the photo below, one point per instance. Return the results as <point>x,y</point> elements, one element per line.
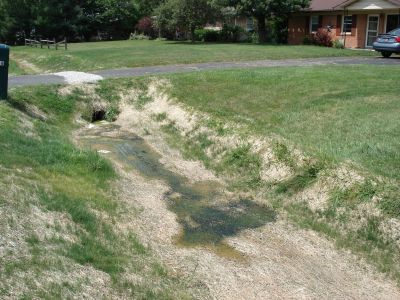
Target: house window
<point>392,22</point>
<point>347,24</point>
<point>314,23</point>
<point>250,24</point>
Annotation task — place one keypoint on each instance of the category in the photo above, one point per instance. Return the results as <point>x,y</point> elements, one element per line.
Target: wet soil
<point>206,214</point>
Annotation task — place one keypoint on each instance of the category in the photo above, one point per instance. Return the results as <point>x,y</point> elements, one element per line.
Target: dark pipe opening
<point>98,115</point>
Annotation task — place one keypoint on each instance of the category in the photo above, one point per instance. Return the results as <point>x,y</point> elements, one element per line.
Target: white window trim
<point>311,24</point>
<point>346,33</point>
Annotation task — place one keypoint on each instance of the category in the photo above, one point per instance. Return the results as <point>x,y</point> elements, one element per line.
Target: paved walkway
<point>74,77</point>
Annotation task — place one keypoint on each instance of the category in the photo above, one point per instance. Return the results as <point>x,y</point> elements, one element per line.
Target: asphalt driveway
<point>76,77</point>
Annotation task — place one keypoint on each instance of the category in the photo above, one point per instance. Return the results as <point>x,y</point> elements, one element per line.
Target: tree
<point>88,20</point>
<point>16,19</point>
<point>114,18</point>
<point>4,22</point>
<point>147,7</point>
<point>56,18</point>
<point>263,9</point>
<point>74,19</point>
<point>163,20</point>
<point>186,14</point>
<point>117,17</point>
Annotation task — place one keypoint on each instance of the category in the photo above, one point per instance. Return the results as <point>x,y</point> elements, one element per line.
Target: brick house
<point>355,22</point>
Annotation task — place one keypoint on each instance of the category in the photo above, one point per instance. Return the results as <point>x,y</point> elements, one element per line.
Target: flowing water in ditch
<point>202,209</point>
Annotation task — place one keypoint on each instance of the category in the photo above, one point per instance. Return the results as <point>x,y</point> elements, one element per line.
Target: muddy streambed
<point>207,215</point>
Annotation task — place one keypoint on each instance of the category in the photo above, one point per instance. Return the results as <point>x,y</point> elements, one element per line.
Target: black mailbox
<point>4,63</point>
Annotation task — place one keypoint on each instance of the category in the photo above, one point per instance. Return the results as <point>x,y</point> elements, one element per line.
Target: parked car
<point>388,43</point>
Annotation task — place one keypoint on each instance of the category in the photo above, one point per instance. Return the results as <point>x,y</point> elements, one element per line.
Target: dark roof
<point>324,5</point>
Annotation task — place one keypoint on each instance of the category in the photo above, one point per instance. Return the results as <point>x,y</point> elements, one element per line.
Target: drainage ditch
<point>207,217</point>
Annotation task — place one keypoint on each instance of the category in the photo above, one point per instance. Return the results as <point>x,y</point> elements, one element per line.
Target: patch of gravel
<point>72,77</point>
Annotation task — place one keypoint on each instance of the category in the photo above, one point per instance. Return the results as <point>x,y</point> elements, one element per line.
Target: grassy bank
<point>59,211</point>
<point>125,54</point>
<point>342,120</point>
<point>334,113</point>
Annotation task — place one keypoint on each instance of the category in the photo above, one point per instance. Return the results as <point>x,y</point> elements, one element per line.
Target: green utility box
<point>4,62</point>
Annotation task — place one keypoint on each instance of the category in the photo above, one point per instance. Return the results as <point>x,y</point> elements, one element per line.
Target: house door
<point>372,30</point>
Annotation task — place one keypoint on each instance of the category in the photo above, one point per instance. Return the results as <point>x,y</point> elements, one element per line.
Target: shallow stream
<point>202,209</point>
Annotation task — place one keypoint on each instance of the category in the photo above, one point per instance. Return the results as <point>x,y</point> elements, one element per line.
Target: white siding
<point>372,4</point>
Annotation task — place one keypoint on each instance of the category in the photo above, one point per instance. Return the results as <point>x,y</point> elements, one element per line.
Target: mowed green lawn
<point>339,113</point>
<point>127,54</point>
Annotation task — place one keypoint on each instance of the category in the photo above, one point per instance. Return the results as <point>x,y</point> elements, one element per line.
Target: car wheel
<point>386,54</point>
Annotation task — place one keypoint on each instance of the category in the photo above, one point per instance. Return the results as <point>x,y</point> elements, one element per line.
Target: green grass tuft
<point>283,154</point>
<point>304,178</point>
<point>241,161</point>
<point>160,117</point>
<point>103,257</point>
<point>390,203</point>
<point>142,100</point>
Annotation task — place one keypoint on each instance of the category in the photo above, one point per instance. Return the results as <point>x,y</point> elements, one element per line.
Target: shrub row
<point>229,33</point>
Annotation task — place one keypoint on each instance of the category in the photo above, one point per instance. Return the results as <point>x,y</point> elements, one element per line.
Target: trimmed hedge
<point>229,33</point>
